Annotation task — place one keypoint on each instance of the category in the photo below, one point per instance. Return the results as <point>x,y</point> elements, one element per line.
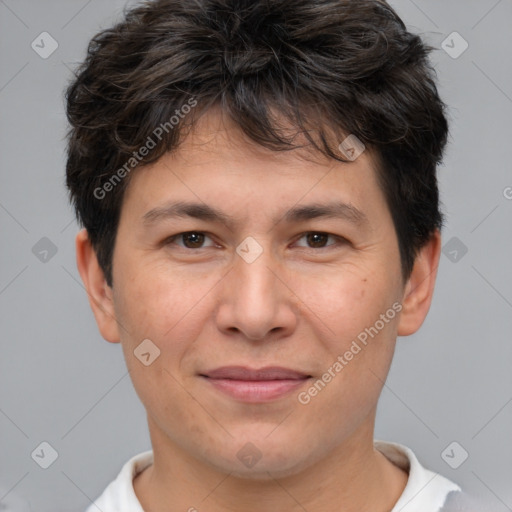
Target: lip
<point>255,385</point>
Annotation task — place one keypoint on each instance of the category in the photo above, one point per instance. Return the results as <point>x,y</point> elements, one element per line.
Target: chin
<point>262,459</point>
<point>264,470</point>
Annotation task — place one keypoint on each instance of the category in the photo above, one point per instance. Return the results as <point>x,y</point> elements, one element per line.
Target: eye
<point>191,239</point>
<point>195,240</point>
<point>318,239</point>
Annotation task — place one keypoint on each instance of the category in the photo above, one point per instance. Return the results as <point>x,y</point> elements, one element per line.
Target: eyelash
<point>338,240</point>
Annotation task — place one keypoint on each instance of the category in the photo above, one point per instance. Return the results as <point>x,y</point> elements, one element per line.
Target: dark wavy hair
<point>325,66</point>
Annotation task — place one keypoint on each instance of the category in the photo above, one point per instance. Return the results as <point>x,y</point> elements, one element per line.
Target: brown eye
<point>189,239</point>
<point>192,240</point>
<point>318,240</point>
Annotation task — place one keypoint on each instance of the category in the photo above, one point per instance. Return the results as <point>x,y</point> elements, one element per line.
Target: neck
<point>352,478</point>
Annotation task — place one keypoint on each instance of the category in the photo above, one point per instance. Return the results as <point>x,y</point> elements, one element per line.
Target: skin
<point>298,305</point>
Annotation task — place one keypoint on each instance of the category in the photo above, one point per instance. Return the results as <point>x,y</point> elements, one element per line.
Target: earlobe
<point>98,291</point>
<point>419,288</point>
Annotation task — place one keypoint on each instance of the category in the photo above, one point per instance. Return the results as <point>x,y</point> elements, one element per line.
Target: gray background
<point>60,382</point>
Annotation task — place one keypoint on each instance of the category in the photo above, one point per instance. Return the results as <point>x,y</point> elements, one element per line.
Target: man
<point>257,185</point>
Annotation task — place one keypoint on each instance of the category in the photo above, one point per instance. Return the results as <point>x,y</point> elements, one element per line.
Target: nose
<point>256,300</point>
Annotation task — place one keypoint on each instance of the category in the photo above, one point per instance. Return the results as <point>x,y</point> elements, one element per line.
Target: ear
<point>419,288</point>
<point>100,294</point>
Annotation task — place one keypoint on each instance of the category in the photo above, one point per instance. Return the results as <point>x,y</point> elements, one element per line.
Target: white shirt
<point>425,491</point>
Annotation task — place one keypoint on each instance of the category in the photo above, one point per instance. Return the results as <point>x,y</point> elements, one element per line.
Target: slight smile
<point>255,385</point>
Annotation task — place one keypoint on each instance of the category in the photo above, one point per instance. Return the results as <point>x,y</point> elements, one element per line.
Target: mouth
<point>255,385</point>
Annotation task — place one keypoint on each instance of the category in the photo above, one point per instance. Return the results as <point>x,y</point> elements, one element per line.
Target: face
<point>313,301</point>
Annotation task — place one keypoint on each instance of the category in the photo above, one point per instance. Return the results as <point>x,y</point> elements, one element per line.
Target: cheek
<point>359,343</point>
<point>358,356</point>
<point>157,304</point>
<point>168,312</point>
<point>345,302</point>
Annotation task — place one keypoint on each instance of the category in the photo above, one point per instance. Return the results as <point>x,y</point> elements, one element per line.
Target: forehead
<point>218,165</point>
<point>216,133</point>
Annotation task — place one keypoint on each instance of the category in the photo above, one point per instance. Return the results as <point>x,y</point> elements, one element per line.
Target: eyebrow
<point>201,211</point>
